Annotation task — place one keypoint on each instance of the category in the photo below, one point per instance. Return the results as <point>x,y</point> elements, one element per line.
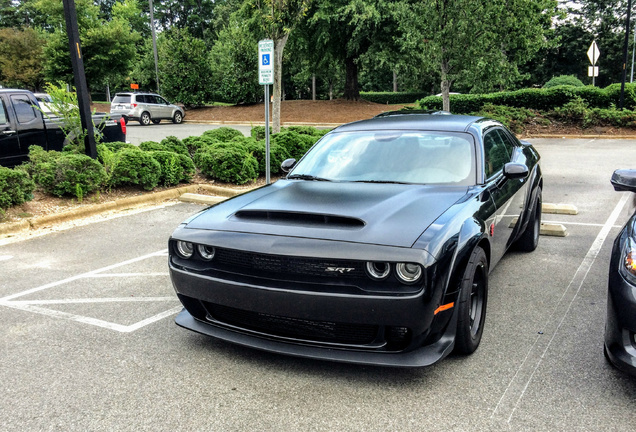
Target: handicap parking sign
<point>265,59</point>
<point>266,65</point>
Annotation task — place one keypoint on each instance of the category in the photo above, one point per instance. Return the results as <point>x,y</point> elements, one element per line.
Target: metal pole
<point>267,167</point>
<point>79,76</point>
<point>154,42</point>
<point>622,98</point>
<point>631,80</point>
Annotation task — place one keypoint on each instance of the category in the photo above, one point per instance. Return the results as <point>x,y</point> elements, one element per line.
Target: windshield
<point>420,157</point>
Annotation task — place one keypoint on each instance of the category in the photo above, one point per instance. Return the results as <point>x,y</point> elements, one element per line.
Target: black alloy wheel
<point>473,298</point>
<point>529,240</point>
<point>144,119</point>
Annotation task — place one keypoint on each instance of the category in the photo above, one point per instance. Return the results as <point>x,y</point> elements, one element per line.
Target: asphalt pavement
<point>89,340</point>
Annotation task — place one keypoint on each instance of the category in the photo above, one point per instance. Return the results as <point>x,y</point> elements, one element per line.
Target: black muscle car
<point>620,326</point>
<point>374,249</point>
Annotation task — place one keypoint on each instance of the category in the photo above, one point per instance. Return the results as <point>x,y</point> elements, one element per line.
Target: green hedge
<point>175,167</point>
<point>393,98</point>
<point>223,134</point>
<point>134,167</point>
<point>538,99</point>
<point>227,162</point>
<point>16,187</point>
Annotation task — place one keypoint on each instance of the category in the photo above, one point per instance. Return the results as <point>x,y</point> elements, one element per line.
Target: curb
<point>120,204</point>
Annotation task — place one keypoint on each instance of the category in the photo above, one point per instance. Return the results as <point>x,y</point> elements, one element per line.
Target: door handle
<point>8,132</point>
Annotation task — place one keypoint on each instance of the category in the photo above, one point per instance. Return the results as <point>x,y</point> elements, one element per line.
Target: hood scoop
<point>313,220</point>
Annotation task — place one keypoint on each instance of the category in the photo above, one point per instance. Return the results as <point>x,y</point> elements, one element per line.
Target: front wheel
<point>178,118</point>
<point>473,297</point>
<point>144,119</point>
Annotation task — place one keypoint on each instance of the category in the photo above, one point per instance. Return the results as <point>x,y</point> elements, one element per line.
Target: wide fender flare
<point>535,182</point>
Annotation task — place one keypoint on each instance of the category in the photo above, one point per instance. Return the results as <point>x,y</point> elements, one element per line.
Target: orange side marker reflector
<point>443,308</point>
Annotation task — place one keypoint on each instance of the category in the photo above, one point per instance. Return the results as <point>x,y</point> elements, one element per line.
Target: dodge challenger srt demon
<point>374,249</point>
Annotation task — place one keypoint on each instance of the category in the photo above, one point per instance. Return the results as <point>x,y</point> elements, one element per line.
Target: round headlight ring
<point>408,273</point>
<point>184,249</point>
<point>378,270</point>
<point>206,252</point>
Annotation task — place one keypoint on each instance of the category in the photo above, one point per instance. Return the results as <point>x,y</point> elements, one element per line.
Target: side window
<point>3,113</point>
<point>23,108</point>
<point>495,153</point>
<point>151,99</point>
<point>141,99</point>
<point>508,142</point>
<point>161,101</point>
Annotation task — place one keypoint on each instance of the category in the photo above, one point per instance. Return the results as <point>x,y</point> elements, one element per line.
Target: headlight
<point>378,270</point>
<point>184,249</point>
<point>408,272</point>
<point>628,261</point>
<point>206,252</point>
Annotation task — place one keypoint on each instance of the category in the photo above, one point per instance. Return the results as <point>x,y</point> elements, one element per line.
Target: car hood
<point>371,213</point>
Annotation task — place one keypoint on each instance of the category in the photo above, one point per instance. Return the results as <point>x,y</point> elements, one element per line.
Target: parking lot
<point>89,340</point>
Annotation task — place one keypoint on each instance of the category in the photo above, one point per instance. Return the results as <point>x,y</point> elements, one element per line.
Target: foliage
<point>116,146</point>
<point>184,73</point>
<point>171,144</point>
<point>561,80</point>
<point>277,154</point>
<point>69,174</point>
<point>193,143</point>
<point>393,98</point>
<point>134,167</point>
<point>513,118</point>
<point>223,134</point>
<point>16,187</point>
<point>175,167</point>
<point>234,71</point>
<point>21,58</point>
<point>296,144</point>
<point>232,164</point>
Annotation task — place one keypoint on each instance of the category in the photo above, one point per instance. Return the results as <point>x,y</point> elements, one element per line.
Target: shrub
<point>223,134</point>
<point>175,167</point>
<point>567,80</point>
<point>277,154</point>
<point>134,167</point>
<point>70,174</point>
<point>295,143</point>
<point>16,187</point>
<point>174,144</point>
<point>514,118</point>
<point>306,130</point>
<point>118,146</point>
<point>232,164</point>
<point>151,146</point>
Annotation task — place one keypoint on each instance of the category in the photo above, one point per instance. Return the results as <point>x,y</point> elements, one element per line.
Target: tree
<point>484,53</point>
<point>21,58</point>
<point>276,19</point>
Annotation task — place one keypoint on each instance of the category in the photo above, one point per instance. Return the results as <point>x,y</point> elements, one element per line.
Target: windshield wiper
<point>381,181</point>
<point>306,177</point>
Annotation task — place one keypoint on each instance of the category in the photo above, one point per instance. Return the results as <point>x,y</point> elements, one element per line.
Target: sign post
<point>265,78</point>
<point>593,54</point>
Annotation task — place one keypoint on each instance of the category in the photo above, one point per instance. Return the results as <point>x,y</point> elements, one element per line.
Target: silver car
<point>145,108</point>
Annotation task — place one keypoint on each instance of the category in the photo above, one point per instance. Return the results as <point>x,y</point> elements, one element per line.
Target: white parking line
<point>5,257</point>
<point>514,393</point>
<point>34,305</point>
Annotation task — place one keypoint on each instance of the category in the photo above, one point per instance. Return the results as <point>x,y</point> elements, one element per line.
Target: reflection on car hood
<point>383,214</point>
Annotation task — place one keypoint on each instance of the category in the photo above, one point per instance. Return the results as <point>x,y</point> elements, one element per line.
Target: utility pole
<point>79,77</point>
<point>629,11</point>
<point>154,42</point>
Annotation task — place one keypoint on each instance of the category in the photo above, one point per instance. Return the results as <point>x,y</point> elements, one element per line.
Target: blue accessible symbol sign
<point>266,65</point>
<point>265,59</point>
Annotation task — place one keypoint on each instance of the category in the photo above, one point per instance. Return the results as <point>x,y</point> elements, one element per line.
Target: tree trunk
<point>446,83</point>
<point>395,82</point>
<point>313,87</point>
<point>330,90</point>
<point>279,46</point>
<point>351,91</point>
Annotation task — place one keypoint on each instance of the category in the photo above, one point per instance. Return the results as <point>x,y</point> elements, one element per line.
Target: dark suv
<point>145,108</point>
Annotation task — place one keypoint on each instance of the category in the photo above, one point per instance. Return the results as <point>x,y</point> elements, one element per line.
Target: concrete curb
<point>120,204</point>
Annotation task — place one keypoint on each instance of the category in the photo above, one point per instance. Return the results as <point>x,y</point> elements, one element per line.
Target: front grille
<point>255,264</point>
<point>310,330</point>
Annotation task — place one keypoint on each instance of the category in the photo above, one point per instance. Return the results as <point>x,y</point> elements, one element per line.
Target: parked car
<point>374,249</point>
<point>620,325</point>
<point>23,125</point>
<point>44,100</point>
<point>145,108</point>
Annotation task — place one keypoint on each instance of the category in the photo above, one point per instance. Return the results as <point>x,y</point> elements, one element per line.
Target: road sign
<point>593,53</point>
<point>592,71</point>
<point>266,62</point>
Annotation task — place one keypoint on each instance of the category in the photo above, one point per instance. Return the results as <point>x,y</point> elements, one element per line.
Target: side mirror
<point>287,165</point>
<point>624,180</point>
<point>514,170</point>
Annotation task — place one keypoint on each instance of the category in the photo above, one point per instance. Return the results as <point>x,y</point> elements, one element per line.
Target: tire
<point>156,121</point>
<point>473,298</point>
<point>529,240</point>
<point>177,118</point>
<point>144,119</point>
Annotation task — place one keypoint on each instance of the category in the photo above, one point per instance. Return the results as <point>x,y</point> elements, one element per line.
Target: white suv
<point>145,108</point>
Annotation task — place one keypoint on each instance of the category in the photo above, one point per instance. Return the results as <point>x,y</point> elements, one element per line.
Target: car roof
<point>439,121</point>
<point>135,93</point>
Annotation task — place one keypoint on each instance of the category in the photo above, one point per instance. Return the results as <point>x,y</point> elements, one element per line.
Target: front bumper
<point>620,327</point>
